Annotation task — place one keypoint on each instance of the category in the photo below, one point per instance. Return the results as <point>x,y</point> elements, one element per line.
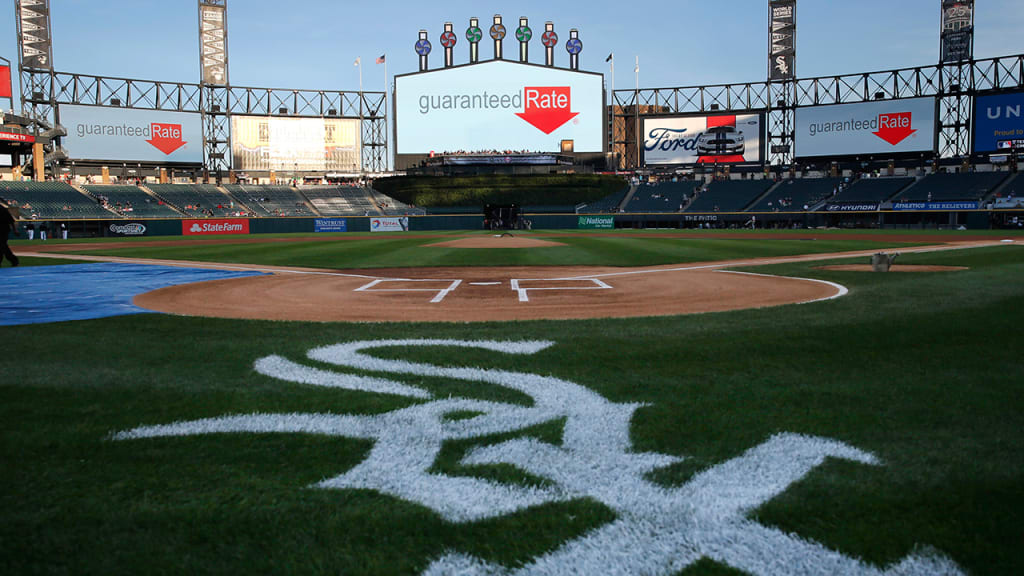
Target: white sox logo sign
<point>658,530</point>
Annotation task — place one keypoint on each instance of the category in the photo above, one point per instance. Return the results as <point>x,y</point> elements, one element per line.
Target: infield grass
<point>923,370</point>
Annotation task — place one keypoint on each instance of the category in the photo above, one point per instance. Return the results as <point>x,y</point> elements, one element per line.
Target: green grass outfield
<point>922,370</point>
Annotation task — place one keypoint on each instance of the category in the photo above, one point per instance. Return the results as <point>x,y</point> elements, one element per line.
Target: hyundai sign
<point>498,106</point>
<point>98,133</point>
<point>726,139</point>
<point>998,123</point>
<point>869,128</point>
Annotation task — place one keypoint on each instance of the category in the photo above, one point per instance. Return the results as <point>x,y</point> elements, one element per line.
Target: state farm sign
<point>498,106</point>
<point>889,127</point>
<point>99,133</point>
<point>214,227</point>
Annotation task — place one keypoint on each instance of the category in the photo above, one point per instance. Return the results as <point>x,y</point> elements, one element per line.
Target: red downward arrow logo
<point>547,108</point>
<point>894,128</point>
<point>166,137</point>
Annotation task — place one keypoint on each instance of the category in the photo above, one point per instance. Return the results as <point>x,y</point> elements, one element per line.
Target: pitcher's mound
<point>496,241</point>
<point>894,268</point>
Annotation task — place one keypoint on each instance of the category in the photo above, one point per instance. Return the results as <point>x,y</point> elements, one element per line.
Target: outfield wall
<point>227,227</point>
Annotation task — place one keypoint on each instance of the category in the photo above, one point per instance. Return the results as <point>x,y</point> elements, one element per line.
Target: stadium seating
<point>197,200</point>
<point>729,195</point>
<point>871,190</point>
<point>339,200</point>
<point>959,186</point>
<point>609,203</point>
<point>270,200</point>
<point>51,201</point>
<point>131,201</point>
<point>663,197</point>
<point>390,206</point>
<point>793,195</point>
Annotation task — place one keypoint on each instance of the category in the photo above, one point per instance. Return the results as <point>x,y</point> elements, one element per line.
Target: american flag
<point>380,60</point>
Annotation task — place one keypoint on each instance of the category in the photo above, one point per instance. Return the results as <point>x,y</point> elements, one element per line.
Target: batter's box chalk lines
<point>524,292</point>
<point>440,296</point>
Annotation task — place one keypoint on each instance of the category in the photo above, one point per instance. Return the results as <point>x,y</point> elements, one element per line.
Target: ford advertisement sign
<point>98,133</point>
<point>498,106</point>
<point>723,139</point>
<point>999,123</point>
<point>868,128</point>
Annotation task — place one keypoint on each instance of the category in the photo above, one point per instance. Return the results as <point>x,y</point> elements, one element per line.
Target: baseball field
<point>563,402</point>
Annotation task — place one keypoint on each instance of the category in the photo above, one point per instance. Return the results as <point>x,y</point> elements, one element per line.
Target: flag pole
<point>387,113</point>
<point>636,110</point>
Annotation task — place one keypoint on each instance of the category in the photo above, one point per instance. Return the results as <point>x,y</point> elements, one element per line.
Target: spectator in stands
<point>7,226</point>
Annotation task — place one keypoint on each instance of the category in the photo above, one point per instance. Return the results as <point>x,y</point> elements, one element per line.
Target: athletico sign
<point>214,227</point>
<point>498,105</point>
<point>97,133</point>
<point>895,126</point>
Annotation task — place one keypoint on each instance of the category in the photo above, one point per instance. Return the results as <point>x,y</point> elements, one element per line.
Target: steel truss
<point>45,91</point>
<point>954,85</point>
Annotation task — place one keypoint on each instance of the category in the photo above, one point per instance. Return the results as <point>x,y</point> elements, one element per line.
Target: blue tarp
<point>41,294</point>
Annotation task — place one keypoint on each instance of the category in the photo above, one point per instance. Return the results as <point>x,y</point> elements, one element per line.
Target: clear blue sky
<point>313,43</point>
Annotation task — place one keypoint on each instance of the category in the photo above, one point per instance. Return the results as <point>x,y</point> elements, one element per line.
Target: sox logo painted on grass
<point>659,530</point>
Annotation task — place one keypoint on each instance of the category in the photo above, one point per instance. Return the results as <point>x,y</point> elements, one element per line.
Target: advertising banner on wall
<point>330,225</point>
<point>596,222</point>
<point>100,133</point>
<point>286,144</point>
<point>499,106</point>
<point>214,227</point>
<point>128,229</point>
<point>389,224</point>
<point>999,122</point>
<point>867,128</point>
<point>725,139</point>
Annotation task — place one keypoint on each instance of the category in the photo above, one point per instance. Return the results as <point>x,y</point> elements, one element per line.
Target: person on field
<point>7,225</point>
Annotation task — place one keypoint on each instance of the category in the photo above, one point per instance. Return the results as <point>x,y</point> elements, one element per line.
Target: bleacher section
<point>965,186</point>
<point>270,200</point>
<point>609,203</point>
<point>729,195</point>
<point>51,201</point>
<point>793,195</point>
<point>131,201</point>
<point>871,190</point>
<point>391,206</point>
<point>198,200</point>
<point>663,197</point>
<point>339,200</point>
